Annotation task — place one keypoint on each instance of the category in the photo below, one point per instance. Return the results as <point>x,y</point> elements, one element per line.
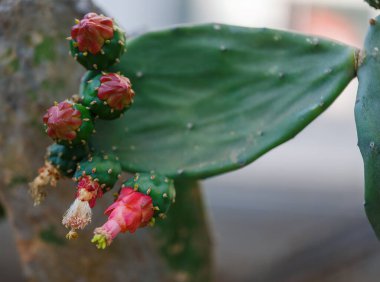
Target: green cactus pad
<point>367,117</point>
<point>373,3</point>
<point>104,167</point>
<point>213,98</point>
<point>89,97</point>
<point>112,51</point>
<point>158,187</point>
<point>66,158</point>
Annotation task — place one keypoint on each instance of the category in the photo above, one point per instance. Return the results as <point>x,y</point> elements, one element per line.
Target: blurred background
<point>296,213</point>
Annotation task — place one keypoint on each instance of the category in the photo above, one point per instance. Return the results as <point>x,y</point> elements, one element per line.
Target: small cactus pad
<point>213,98</point>
<point>159,187</point>
<point>96,42</point>
<point>65,158</point>
<point>107,95</point>
<point>374,3</point>
<point>68,123</point>
<point>103,168</point>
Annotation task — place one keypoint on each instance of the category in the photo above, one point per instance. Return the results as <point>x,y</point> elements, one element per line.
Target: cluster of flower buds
<point>97,43</point>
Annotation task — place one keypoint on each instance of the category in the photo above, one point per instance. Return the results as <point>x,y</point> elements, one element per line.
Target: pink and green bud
<point>68,123</point>
<point>91,32</point>
<point>62,121</point>
<point>116,90</point>
<point>130,211</point>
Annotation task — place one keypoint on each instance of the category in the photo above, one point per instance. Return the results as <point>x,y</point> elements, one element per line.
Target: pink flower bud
<point>91,32</point>
<point>116,90</point>
<point>62,120</point>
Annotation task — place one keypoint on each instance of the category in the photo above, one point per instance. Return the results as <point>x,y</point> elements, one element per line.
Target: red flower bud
<point>91,32</point>
<point>62,120</point>
<point>116,90</point>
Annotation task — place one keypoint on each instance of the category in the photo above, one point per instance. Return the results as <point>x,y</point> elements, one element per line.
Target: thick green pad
<point>104,167</point>
<point>213,98</point>
<point>158,187</point>
<point>112,52</point>
<point>89,97</point>
<point>367,117</point>
<point>66,158</point>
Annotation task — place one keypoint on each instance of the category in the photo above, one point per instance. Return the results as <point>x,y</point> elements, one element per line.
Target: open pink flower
<point>116,90</point>
<point>131,210</point>
<point>91,32</point>
<point>62,120</point>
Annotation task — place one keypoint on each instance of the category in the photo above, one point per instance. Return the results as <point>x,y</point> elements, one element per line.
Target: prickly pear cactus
<point>223,97</point>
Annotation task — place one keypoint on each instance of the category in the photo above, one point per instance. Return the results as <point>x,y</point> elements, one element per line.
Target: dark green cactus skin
<point>367,117</point>
<point>158,187</point>
<point>104,167</point>
<point>374,3</point>
<point>84,131</point>
<point>89,97</point>
<point>66,158</point>
<point>112,52</point>
<point>213,98</point>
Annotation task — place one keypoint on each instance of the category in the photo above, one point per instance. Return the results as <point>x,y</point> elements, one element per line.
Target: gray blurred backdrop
<point>295,214</point>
